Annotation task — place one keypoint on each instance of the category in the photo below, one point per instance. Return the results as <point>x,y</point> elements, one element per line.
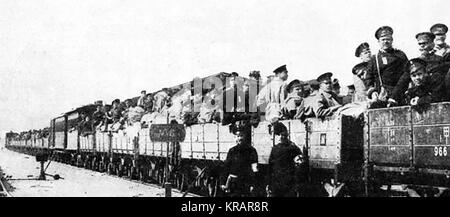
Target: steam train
<point>345,156</point>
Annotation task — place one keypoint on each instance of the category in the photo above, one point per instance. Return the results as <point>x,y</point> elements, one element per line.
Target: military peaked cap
<point>439,28</point>
<point>416,64</point>
<point>234,74</point>
<point>279,128</point>
<point>280,69</point>
<point>324,76</point>
<point>361,48</point>
<point>314,84</point>
<point>383,31</point>
<point>294,83</point>
<point>425,35</point>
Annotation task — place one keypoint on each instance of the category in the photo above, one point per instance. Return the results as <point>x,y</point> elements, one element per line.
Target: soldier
<point>325,103</point>
<point>148,102</point>
<point>233,97</point>
<point>434,65</point>
<point>274,94</point>
<point>283,161</point>
<point>361,74</point>
<point>294,101</point>
<point>422,89</point>
<point>98,116</point>
<point>141,100</point>
<point>116,114</point>
<point>388,64</point>
<point>441,48</point>
<point>350,95</point>
<point>241,165</point>
<point>309,100</point>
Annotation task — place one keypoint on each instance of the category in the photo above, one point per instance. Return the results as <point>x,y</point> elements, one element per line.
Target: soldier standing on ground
<point>241,164</point>
<point>283,161</point>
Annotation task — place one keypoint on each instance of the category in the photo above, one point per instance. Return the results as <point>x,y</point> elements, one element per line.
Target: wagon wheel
<point>150,174</point>
<point>87,163</point>
<point>130,172</point>
<point>93,164</point>
<point>119,171</point>
<point>142,174</point>
<point>101,166</point>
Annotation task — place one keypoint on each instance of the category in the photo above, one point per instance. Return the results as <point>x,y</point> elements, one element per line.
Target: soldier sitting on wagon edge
<point>423,89</point>
<point>293,104</point>
<point>325,102</point>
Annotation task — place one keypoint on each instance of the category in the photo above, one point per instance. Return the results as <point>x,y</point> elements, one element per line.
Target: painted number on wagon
<point>440,151</point>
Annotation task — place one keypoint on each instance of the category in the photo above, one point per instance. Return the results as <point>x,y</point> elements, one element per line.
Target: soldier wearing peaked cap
<point>326,102</point>
<point>434,65</point>
<point>241,165</point>
<point>284,159</point>
<point>441,48</point>
<point>274,94</point>
<point>423,89</point>
<point>361,75</point>
<point>387,65</point>
<point>294,99</point>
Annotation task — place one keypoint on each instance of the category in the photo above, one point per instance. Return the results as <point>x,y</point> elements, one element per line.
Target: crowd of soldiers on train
<point>385,79</point>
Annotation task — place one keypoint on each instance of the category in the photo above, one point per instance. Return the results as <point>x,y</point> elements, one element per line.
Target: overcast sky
<point>57,55</point>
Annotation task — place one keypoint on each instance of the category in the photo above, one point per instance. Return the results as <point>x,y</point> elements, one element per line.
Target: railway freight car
<point>408,147</point>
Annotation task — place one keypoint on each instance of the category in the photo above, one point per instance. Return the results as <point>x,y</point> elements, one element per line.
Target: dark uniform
<point>361,75</point>
<point>443,49</point>
<point>282,168</point>
<point>435,68</point>
<point>429,91</point>
<point>391,64</point>
<point>239,166</point>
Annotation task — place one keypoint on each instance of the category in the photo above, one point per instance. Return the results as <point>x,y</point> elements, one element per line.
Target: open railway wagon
<point>333,150</point>
<point>408,148</point>
<point>32,144</point>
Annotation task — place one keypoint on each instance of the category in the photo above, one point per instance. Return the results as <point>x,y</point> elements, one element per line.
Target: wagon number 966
<point>440,151</point>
